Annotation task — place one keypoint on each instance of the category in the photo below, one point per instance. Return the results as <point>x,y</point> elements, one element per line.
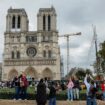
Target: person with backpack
<point>91,90</point>
<point>76,88</point>
<point>52,94</point>
<point>92,93</point>
<point>23,85</point>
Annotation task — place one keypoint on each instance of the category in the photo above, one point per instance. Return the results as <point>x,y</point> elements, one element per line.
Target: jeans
<point>91,101</point>
<point>17,92</point>
<point>52,101</point>
<point>76,93</point>
<point>70,94</point>
<point>104,95</point>
<point>88,101</point>
<point>24,92</point>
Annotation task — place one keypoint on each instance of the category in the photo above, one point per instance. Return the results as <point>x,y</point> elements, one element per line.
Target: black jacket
<point>52,93</point>
<point>41,96</point>
<point>76,84</point>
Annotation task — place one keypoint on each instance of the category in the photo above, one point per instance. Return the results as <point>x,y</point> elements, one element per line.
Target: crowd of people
<point>92,89</point>
<point>47,89</point>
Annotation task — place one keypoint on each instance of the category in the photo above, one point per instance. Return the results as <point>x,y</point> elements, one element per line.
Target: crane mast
<point>67,39</point>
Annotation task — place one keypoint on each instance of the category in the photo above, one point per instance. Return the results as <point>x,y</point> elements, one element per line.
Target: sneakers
<point>71,100</point>
<point>19,99</point>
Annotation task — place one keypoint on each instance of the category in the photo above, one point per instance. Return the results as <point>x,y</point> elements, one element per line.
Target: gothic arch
<point>12,74</point>
<point>31,72</point>
<point>47,73</point>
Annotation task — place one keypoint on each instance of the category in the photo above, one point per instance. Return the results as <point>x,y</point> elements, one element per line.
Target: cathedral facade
<point>36,53</point>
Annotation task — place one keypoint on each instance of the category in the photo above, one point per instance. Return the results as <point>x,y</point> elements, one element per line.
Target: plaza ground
<point>32,102</point>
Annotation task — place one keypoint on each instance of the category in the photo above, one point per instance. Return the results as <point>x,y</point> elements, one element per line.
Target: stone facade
<point>0,71</point>
<point>35,53</point>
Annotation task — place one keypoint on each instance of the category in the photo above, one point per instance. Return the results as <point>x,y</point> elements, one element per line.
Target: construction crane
<point>67,39</point>
<point>98,70</point>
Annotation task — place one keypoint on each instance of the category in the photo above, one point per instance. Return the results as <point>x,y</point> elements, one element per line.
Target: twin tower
<point>35,53</point>
<point>17,20</point>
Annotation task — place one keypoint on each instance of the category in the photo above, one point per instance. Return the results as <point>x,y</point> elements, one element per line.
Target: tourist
<point>52,94</point>
<point>91,90</point>
<point>16,84</point>
<point>70,90</point>
<point>47,85</point>
<point>46,81</point>
<point>23,85</point>
<point>76,88</point>
<point>41,96</point>
<point>103,89</point>
<point>62,85</point>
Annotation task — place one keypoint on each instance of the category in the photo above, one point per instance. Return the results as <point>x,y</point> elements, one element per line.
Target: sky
<point>72,16</point>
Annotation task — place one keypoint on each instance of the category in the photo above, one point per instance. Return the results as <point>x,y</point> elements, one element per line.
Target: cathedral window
<point>12,55</point>
<point>19,21</point>
<point>13,21</point>
<point>34,39</point>
<point>31,38</point>
<point>18,54</point>
<point>49,22</point>
<point>49,53</point>
<point>44,22</point>
<point>44,53</point>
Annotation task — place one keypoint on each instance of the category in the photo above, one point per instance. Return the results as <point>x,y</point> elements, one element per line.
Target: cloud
<point>72,16</point>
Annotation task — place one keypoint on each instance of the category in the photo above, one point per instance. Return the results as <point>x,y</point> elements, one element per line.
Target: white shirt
<point>87,85</point>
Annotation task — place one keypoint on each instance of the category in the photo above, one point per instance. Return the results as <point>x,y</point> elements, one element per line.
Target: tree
<point>88,71</point>
<point>80,74</point>
<point>101,55</point>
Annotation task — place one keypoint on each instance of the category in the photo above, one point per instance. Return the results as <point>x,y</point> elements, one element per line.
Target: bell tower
<point>46,19</point>
<point>16,20</point>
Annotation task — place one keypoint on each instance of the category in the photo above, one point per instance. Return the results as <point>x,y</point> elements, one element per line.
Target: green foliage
<point>88,71</point>
<point>8,93</point>
<point>101,55</point>
<point>79,72</point>
<point>102,51</point>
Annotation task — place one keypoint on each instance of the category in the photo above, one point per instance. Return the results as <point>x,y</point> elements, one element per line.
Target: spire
<point>52,7</point>
<point>10,7</point>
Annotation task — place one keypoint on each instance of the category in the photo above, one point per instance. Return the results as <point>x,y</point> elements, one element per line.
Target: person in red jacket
<point>23,85</point>
<point>103,89</point>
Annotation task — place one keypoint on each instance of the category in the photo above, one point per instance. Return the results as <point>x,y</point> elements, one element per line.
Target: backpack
<point>92,91</point>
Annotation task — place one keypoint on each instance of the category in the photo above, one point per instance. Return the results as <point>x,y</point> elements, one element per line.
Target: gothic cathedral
<point>36,53</point>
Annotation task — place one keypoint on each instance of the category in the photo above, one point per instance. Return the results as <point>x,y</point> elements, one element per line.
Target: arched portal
<point>31,72</point>
<point>47,73</point>
<point>12,74</point>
